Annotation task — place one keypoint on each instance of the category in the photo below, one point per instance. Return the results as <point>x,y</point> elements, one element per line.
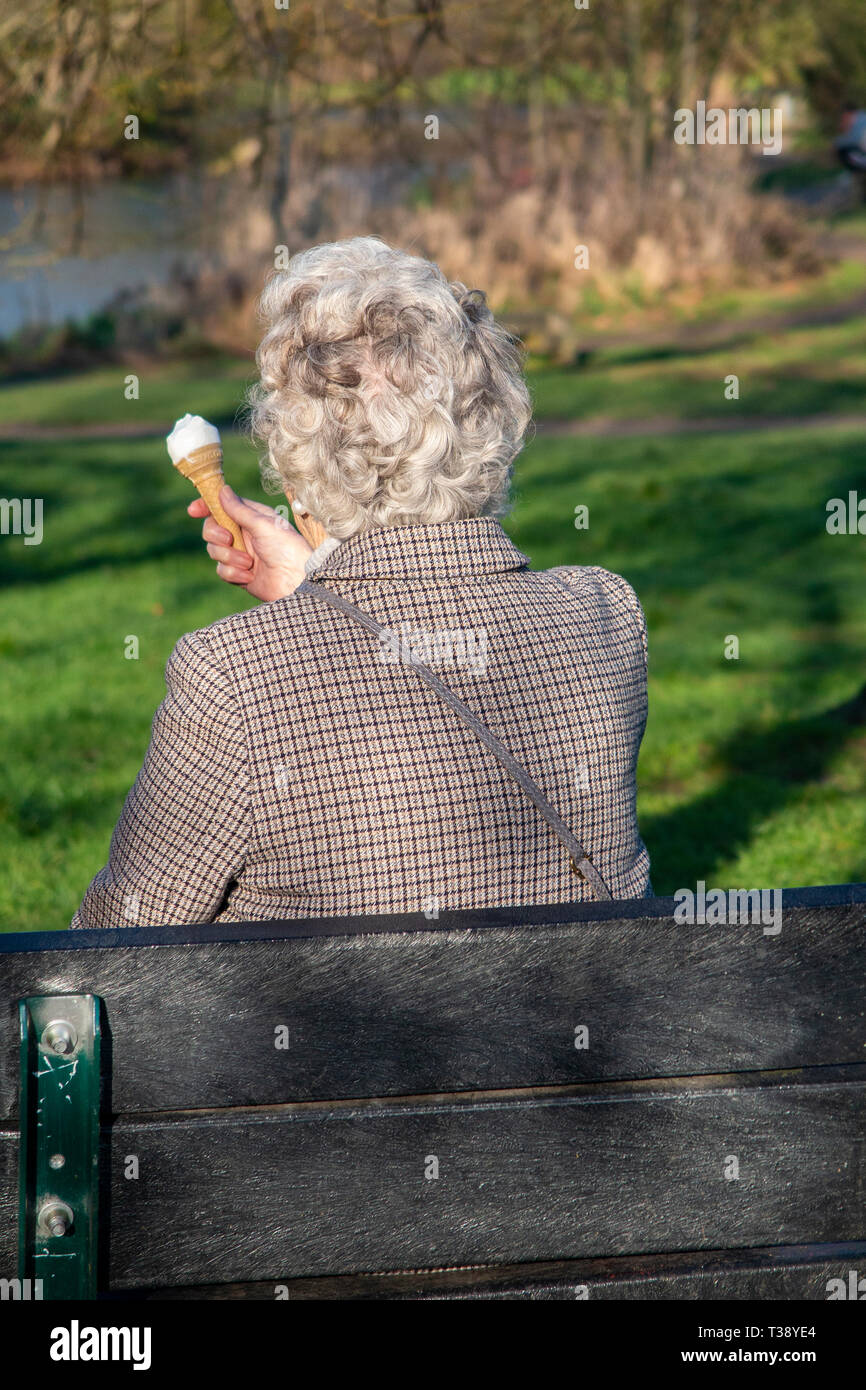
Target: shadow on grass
<point>97,511</point>
<point>764,769</point>
<point>97,558</point>
<point>38,813</point>
<point>704,339</point>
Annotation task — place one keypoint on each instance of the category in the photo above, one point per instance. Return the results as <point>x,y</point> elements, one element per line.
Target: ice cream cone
<point>312,531</point>
<point>204,468</point>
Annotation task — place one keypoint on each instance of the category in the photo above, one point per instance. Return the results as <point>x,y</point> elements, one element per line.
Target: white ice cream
<point>190,432</point>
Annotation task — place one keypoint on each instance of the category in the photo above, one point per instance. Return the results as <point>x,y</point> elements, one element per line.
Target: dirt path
<point>717,424</point>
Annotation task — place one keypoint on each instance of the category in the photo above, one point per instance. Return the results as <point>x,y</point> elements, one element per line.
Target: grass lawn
<point>217,383</point>
<point>753,772</point>
<point>800,371</point>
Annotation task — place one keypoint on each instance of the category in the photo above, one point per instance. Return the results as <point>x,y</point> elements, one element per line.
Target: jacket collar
<point>447,550</point>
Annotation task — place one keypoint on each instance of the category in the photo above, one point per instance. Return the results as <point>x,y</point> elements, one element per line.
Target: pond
<point>135,232</point>
<point>132,233</point>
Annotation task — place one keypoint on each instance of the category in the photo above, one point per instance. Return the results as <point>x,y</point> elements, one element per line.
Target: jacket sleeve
<point>181,837</point>
<point>625,595</point>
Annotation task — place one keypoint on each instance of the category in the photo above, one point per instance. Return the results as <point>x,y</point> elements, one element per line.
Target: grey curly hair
<point>387,395</point>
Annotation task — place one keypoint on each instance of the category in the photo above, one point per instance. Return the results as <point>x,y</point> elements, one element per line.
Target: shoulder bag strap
<point>578,857</point>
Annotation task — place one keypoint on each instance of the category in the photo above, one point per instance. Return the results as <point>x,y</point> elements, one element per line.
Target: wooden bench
<point>558,1102</point>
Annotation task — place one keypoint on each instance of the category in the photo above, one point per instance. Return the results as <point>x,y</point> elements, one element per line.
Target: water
<point>134,232</point>
<point>137,231</point>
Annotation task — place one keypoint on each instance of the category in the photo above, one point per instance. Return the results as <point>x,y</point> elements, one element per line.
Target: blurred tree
<point>657,56</point>
<point>835,70</point>
<point>220,82</point>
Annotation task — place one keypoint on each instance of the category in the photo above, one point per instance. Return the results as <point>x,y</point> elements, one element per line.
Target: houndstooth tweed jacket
<point>299,767</point>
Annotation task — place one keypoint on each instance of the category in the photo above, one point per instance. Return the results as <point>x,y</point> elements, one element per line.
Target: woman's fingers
<point>246,513</point>
<point>227,555</point>
<point>272,565</point>
<point>216,534</point>
<point>211,530</point>
<point>261,508</point>
<point>232,574</point>
<point>233,566</point>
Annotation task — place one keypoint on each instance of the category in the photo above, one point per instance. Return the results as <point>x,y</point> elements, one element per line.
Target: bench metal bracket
<point>59,1144</point>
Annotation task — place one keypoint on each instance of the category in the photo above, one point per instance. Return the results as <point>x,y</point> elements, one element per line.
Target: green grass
<point>752,771</point>
<point>610,316</point>
<point>119,558</point>
<point>838,282</point>
<point>751,774</point>
<point>80,399</point>
<point>804,371</point>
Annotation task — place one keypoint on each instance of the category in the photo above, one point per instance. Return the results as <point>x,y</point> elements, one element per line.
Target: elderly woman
<point>412,720</point>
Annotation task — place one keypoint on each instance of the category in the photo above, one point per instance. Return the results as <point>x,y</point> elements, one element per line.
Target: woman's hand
<point>274,564</point>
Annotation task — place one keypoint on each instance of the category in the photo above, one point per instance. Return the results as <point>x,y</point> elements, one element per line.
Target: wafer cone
<point>312,531</point>
<point>204,468</point>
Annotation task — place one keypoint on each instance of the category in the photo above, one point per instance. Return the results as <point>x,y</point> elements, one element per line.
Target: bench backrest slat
<point>397,1013</point>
